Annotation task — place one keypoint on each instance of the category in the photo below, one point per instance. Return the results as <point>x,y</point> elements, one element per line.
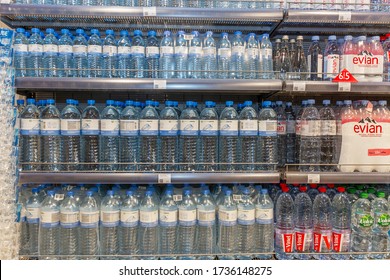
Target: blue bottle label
<point>50,126</point>
<point>169,127</point>
<point>29,126</point>
<point>109,127</point>
<point>149,218</point>
<point>70,127</point>
<point>189,127</point>
<point>90,127</point>
<point>209,128</point>
<point>168,218</point>
<point>129,218</point>
<point>148,127</point>
<point>246,217</point>
<point>129,127</point>
<point>228,127</point>
<point>248,127</point>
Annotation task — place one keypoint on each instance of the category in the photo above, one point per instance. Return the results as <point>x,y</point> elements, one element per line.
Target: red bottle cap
<point>302,189</point>
<point>313,186</point>
<point>283,185</point>
<point>322,189</point>
<point>341,189</point>
<point>331,186</point>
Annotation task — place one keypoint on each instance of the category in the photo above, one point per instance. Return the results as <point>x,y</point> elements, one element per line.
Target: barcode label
<point>236,197</point>
<point>149,11</point>
<point>188,37</point>
<point>177,197</point>
<point>59,196</point>
<point>345,16</point>
<point>299,86</point>
<point>346,87</point>
<point>313,178</point>
<point>164,178</point>
<point>160,84</point>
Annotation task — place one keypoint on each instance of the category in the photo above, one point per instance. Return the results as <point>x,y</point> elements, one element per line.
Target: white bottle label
<point>168,217</point>
<point>196,51</point>
<point>79,49</point>
<point>339,127</point>
<point>268,128</point>
<point>227,217</point>
<point>264,216</point>
<point>291,126</point>
<point>266,53</point>
<point>29,126</point>
<point>225,52</point>
<point>166,50</point>
<point>152,51</point>
<point>148,127</point>
<point>238,50</point>
<point>208,127</point>
<point>21,48</point>
<point>50,218</point>
<point>90,126</point>
<point>187,217</point>
<point>94,49</point>
<point>65,49</point>
<point>282,128</point>
<point>50,48</point>
<point>35,48</point>
<point>252,52</point>
<point>248,127</point>
<point>331,66</point>
<point>246,217</point>
<point>124,50</point>
<point>328,127</point>
<point>89,219</point>
<point>211,51</point>
<point>149,218</point>
<point>109,127</point>
<point>181,50</point>
<point>70,127</point>
<point>189,127</point>
<point>32,214</point>
<point>310,128</point>
<point>50,126</point>
<point>110,50</point>
<point>206,217</point>
<point>129,218</point>
<point>110,218</point>
<point>140,50</point>
<point>69,219</point>
<point>129,127</point>
<point>169,127</point>
<point>228,127</point>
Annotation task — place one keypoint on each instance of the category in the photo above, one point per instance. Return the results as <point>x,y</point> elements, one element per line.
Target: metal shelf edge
<point>295,177</point>
<point>328,86</point>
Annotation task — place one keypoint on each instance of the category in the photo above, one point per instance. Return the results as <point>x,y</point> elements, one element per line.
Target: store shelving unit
<point>296,177</point>
<point>328,86</point>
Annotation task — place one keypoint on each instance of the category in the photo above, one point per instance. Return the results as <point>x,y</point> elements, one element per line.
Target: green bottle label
<point>366,221</point>
<point>384,220</point>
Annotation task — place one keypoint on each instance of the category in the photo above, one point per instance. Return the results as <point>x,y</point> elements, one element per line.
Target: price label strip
<point>149,11</point>
<point>313,178</point>
<point>164,178</point>
<point>160,84</point>
<point>299,86</point>
<point>345,16</point>
<point>346,87</point>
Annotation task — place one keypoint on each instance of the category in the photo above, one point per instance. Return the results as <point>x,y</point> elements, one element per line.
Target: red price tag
<point>344,77</point>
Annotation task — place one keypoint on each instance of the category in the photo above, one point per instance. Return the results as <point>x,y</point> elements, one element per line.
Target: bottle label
<point>206,217</point>
<point>169,127</point>
<point>138,50</point>
<point>264,216</point>
<point>129,127</point>
<point>89,219</point>
<point>181,50</point>
<point>266,53</point>
<point>21,48</point>
<point>109,127</point>
<point>198,51</point>
<point>69,219</point>
<point>290,127</point>
<point>70,127</point>
<point>65,49</point>
<point>321,241</point>
<point>50,218</point>
<point>35,48</point>
<point>238,50</point>
<point>110,218</point>
<point>32,215</point>
<point>310,128</point>
<point>168,218</point>
<point>328,127</point>
<point>227,217</point>
<point>148,127</point>
<point>246,217</point>
<point>166,51</point>
<point>59,197</point>
<point>94,49</point>
<point>209,127</point>
<point>225,52</point>
<point>268,128</point>
<point>149,218</point>
<point>339,239</point>
<point>129,218</point>
<point>152,51</point>
<point>236,198</point>
<point>124,50</point>
<point>187,217</point>
<point>29,126</point>
<point>365,220</point>
<point>339,127</point>
<point>79,49</point>
<point>248,127</point>
<point>251,52</point>
<point>287,242</point>
<point>319,66</point>
<point>331,66</point>
<point>210,51</point>
<point>50,48</point>
<point>282,128</point>
<point>297,127</point>
<point>228,127</point>
<point>110,50</point>
<point>50,126</point>
<point>90,127</point>
<point>382,219</point>
<point>189,127</point>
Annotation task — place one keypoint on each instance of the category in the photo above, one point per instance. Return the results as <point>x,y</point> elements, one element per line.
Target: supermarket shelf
<point>295,177</point>
<point>146,178</point>
<point>192,85</point>
<point>327,86</point>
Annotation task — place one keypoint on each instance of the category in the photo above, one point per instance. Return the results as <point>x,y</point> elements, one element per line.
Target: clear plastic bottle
<point>35,53</point>
<point>328,136</point>
<point>314,59</point>
<point>109,137</point>
<point>347,164</point>
<point>209,59</point>
<point>298,130</point>
<point>152,55</point>
<point>386,62</point>
<point>80,51</point>
<point>49,228</point>
<point>167,60</point>
<point>129,222</point>
<point>237,64</point>
<point>381,227</point>
<point>50,137</point>
<point>337,112</point>
<point>89,227</point>
<point>331,59</point>
<point>266,66</point>
<point>168,217</point>
<point>109,55</point>
<point>33,205</point>
<point>94,55</point>
<point>129,135</point>
<point>50,54</point>
<point>149,137</point>
<point>267,140</point>
<point>228,139</point>
<point>137,63</point>
<point>149,229</point>
<point>181,56</point>
<point>290,134</point>
<point>164,3</point>
<point>90,139</point>
<point>251,57</point>
<point>224,56</point>
<point>65,55</point>
<point>293,49</point>
<point>298,62</point>
<point>70,223</point>
<point>21,53</point>
<point>282,132</point>
<point>23,194</point>
<point>313,191</point>
<point>248,125</point>
<point>246,213</point>
<point>169,130</point>
<point>276,57</point>
<point>284,59</point>
<point>189,137</point>
<point>124,55</point>
<point>195,56</point>
<point>109,226</point>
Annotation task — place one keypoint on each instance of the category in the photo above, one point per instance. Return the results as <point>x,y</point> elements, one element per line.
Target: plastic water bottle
<point>237,64</point>
<point>248,124</point>
<point>90,140</point>
<point>129,134</point>
<point>264,225</point>
<point>35,52</point>
<point>228,140</point>
<point>290,135</point>
<point>206,230</point>
<point>284,63</point>
<point>267,141</point>
<point>181,56</point>
<point>209,130</point>
<point>314,60</point>
<point>362,224</point>
<point>21,53</point>
<point>381,227</point>
<point>70,135</point>
<point>352,196</point>
<point>89,227</point>
<point>284,228</point>
<point>109,138</point>
<point>386,62</point>
<point>187,226</point>
<point>331,59</point>
<point>224,56</point>
<point>49,226</point>
<point>168,217</point>
<point>50,137</point>
<point>109,227</point>
<point>341,225</point>
<point>50,54</point>
<point>65,55</point>
<point>33,205</point>
<point>169,130</point>
<point>189,136</point>
<point>80,60</point>
<point>149,137</point>
<point>110,51</point>
<point>195,56</point>
<point>137,63</point>
<point>209,60</point>
<point>167,60</point>
<point>328,136</point>
<point>70,223</point>
<point>94,55</point>
<point>129,222</point>
<point>298,62</point>
<point>266,66</point>
<point>152,55</point>
<point>298,130</point>
<point>227,226</point>
<point>282,132</point>
<point>251,57</point>
<point>310,141</point>
<point>148,229</point>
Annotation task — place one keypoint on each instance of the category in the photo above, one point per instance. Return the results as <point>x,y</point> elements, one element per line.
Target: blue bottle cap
<point>137,104</point>
<point>117,103</point>
<point>206,192</point>
<point>265,35</point>
<point>34,190</point>
<point>20,30</point>
<point>148,193</point>
<point>238,33</point>
<point>110,192</point>
<point>94,31</point>
<point>209,33</point>
<point>224,34</point>
<point>69,101</point>
<point>91,102</point>
<point>50,102</point>
<point>129,193</point>
<point>209,104</point>
<point>245,191</point>
<point>137,33</point>
<point>149,103</point>
<point>168,103</point>
<point>267,103</point>
<point>79,31</point>
<point>167,33</point>
<point>279,103</point>
<point>169,191</point>
<point>70,193</point>
<point>326,102</point>
<point>175,103</point>
<point>195,33</point>
<point>251,35</point>
<point>51,193</point>
<point>50,30</point>
<point>65,31</point>
<point>264,191</point>
<point>35,30</point>
<point>109,32</point>
<point>248,103</point>
<point>89,193</point>
<point>315,38</point>
<point>110,102</point>
<point>228,192</point>
<point>152,33</point>
<point>187,192</point>
<point>20,101</point>
<point>229,103</point>
<point>129,103</point>
<point>181,32</point>
<point>311,101</point>
<point>124,33</point>
<point>288,104</point>
<point>189,103</point>
<point>195,104</point>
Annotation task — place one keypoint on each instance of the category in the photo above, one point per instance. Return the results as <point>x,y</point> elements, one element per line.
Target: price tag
<point>160,84</point>
<point>59,196</point>
<point>299,86</point>
<point>344,77</point>
<point>177,197</point>
<point>313,178</point>
<point>188,37</point>
<point>344,87</point>
<point>236,197</point>
<point>149,11</point>
<point>164,178</point>
<point>345,16</point>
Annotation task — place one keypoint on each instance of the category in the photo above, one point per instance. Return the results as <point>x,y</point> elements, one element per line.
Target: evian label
<point>300,241</point>
<point>282,128</point>
<point>339,239</point>
<point>331,66</point>
<point>363,63</point>
<point>321,242</point>
<point>287,239</point>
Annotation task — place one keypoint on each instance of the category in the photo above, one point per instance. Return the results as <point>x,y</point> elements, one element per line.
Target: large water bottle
<point>168,216</point>
<point>341,225</point>
<point>152,55</point>
<point>35,53</point>
<point>94,55</point>
<point>109,226</point>
<point>65,55</point>
<point>181,56</point>
<point>264,225</point>
<point>266,63</point>
<point>237,64</point>
<point>290,136</point>
<point>137,64</point>
<point>328,136</point>
<point>314,59</point>
<point>69,232</point>
<point>228,140</point>
<point>209,128</point>
<point>30,148</point>
<point>109,137</point>
<point>109,56</point>
<point>187,226</point>
<point>22,217</point>
<point>167,60</point>
<point>169,130</point>
<point>206,230</point>
<point>33,205</point>
<point>149,137</point>
<point>148,229</point>
<point>224,56</point>
<point>310,140</point>
<point>246,220</point>
<point>70,136</point>
<point>50,54</point>
<point>50,137</point>
<point>129,134</point>
<point>21,53</point>
<point>303,219</point>
<point>49,226</point>
<point>248,124</point>
<point>189,136</point>
<point>195,56</point>
<point>381,227</point>
<point>129,222</point>
<point>251,66</point>
<point>89,227</point>
<point>267,141</point>
<point>209,60</point>
<point>80,60</point>
<point>90,140</point>
<point>282,132</point>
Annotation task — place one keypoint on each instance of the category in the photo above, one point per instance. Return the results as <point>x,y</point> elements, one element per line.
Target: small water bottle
<point>167,61</point>
<point>124,55</point>
<point>264,226</point>
<point>110,51</point>
<point>224,56</point>
<point>322,222</point>
<point>129,137</point>
<point>252,57</point>
<point>35,53</point>
<point>148,229</point>
<point>267,141</point>
<point>209,60</point>
<point>381,227</point>
<point>70,223</point>
<point>152,55</point>
<point>129,222</point>
<point>137,63</point>
<point>314,60</point>
<point>181,56</point>
<point>21,53</point>
<point>195,56</point>
<point>90,139</point>
<point>65,55</point>
<point>168,217</point>
<point>94,55</point>
<point>237,64</point>
<point>266,63</point>
<point>50,54</point>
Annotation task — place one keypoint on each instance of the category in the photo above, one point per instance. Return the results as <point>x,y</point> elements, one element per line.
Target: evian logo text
<point>287,242</point>
<point>368,126</point>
